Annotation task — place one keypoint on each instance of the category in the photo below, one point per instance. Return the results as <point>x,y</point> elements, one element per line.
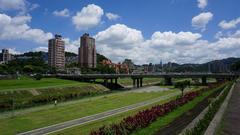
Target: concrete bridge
<point>138,78</point>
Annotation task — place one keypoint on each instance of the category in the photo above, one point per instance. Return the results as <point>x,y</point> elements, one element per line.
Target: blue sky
<point>146,31</point>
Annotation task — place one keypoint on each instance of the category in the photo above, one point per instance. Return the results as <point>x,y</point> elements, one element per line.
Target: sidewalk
<point>231,119</point>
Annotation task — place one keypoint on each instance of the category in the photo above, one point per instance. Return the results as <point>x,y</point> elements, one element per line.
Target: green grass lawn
<point>75,110</point>
<point>87,128</point>
<point>27,83</point>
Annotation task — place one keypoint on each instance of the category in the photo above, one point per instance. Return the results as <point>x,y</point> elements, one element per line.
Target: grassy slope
<point>85,129</point>
<point>26,83</point>
<point>72,111</point>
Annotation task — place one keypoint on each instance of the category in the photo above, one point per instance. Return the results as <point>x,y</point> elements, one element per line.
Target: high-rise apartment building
<point>56,52</point>
<point>87,52</point>
<point>6,56</point>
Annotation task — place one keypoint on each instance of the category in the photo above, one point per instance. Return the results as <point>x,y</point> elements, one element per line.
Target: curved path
<point>91,118</point>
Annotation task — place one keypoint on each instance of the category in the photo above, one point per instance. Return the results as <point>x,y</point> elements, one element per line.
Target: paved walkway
<point>231,120</point>
<point>84,120</point>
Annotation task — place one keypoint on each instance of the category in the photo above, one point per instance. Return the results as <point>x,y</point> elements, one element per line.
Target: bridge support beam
<point>204,80</point>
<point>168,81</point>
<point>141,82</point>
<point>138,82</point>
<point>115,80</point>
<point>106,82</point>
<point>111,80</point>
<point>134,82</point>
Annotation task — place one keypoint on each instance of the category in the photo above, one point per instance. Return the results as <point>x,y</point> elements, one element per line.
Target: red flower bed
<point>144,118</point>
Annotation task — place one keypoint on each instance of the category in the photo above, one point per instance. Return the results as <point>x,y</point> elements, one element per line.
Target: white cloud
<point>13,51</point>
<point>63,13</point>
<point>200,21</point>
<point>72,46</point>
<point>181,47</point>
<point>171,38</point>
<point>202,3</point>
<point>23,6</point>
<point>17,28</point>
<point>229,25</point>
<point>112,16</point>
<point>120,36</point>
<point>90,16</point>
<point>12,4</point>
<point>42,49</point>
<point>34,6</point>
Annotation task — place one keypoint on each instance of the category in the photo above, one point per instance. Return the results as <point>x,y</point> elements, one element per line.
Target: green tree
<point>182,85</point>
<point>28,69</point>
<point>235,66</point>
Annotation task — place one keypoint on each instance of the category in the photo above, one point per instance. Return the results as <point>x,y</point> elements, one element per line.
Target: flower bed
<point>144,118</point>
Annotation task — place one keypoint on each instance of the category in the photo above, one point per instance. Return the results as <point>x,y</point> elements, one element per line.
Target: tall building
<point>87,52</point>
<point>130,64</point>
<point>56,53</point>
<point>6,56</point>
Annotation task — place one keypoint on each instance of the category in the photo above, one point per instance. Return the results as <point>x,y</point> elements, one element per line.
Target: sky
<point>146,31</point>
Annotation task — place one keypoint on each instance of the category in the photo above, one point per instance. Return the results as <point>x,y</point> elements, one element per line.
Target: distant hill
<point>101,58</point>
<point>216,66</point>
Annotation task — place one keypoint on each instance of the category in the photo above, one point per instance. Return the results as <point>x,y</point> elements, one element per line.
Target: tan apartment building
<point>56,52</point>
<point>87,52</point>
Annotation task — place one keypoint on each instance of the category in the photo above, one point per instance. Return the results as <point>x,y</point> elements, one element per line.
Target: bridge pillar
<point>115,80</point>
<point>138,82</point>
<point>134,82</point>
<point>141,82</point>
<point>168,81</point>
<point>105,82</point>
<point>111,80</point>
<point>204,80</point>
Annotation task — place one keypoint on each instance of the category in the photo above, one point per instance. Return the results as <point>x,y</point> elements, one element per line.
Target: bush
<point>38,76</point>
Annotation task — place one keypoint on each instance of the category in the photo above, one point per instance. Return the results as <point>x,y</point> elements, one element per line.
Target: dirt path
<point>231,119</point>
<point>181,122</point>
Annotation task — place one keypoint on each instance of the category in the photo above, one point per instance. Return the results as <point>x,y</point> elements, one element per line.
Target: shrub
<point>38,76</point>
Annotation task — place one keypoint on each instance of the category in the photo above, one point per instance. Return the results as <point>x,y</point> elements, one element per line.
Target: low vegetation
<point>74,109</point>
<point>24,82</point>
<point>27,92</point>
<point>85,129</point>
<point>144,118</point>
<point>203,124</point>
<point>27,98</point>
<point>182,85</point>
